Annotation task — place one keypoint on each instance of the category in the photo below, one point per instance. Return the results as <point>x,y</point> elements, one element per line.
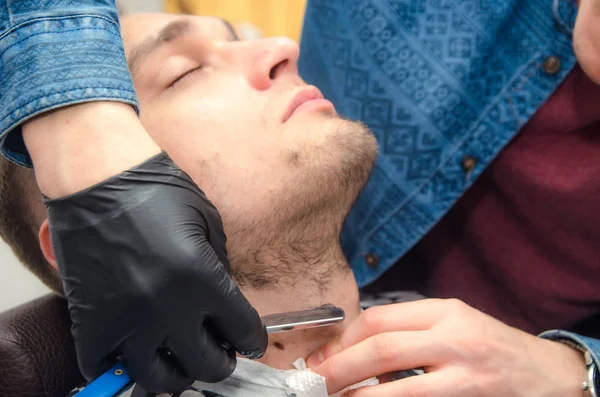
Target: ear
<point>46,244</point>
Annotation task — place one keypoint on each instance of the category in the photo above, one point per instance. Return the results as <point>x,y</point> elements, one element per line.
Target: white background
<point>17,285</point>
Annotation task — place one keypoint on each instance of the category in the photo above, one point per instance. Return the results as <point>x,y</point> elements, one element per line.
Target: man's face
<point>227,113</point>
<point>586,38</point>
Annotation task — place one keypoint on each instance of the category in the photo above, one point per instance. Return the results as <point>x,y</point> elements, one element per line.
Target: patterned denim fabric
<point>439,82</point>
<point>57,53</point>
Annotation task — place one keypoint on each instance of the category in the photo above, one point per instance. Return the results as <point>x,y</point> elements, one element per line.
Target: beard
<point>299,238</point>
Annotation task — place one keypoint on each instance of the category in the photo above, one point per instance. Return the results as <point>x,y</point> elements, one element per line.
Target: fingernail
<point>315,359</point>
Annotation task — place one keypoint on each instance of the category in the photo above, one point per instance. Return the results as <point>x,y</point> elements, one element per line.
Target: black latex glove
<point>144,267</point>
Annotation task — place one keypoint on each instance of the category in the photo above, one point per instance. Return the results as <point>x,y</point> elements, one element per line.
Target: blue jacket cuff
<point>56,56</point>
<point>589,344</point>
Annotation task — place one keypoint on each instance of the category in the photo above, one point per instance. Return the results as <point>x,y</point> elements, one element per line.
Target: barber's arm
<point>141,250</point>
<point>464,352</point>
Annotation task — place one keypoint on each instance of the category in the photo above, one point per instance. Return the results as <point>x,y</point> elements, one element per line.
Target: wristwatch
<point>592,382</point>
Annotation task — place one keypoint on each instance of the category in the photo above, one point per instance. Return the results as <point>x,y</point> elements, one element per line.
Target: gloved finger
<point>93,362</point>
<point>201,355</point>
<point>154,369</point>
<point>237,321</point>
<point>139,392</point>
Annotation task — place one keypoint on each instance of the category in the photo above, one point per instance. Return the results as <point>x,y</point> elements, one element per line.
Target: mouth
<point>307,99</point>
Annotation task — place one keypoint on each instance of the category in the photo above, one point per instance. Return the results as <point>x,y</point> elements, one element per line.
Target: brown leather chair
<point>37,353</point>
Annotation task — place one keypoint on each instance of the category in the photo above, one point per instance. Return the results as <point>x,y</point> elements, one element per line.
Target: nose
<point>266,61</point>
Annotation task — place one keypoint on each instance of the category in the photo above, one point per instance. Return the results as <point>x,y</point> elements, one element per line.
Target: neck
<point>302,293</point>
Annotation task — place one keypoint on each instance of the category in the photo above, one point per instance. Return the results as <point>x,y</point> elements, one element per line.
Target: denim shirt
<point>444,85</point>
<point>56,53</point>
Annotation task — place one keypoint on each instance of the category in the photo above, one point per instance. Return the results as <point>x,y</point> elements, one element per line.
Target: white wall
<point>141,5</point>
<point>18,285</point>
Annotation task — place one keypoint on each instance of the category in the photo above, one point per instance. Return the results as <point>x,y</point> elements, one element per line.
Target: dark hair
<point>19,196</point>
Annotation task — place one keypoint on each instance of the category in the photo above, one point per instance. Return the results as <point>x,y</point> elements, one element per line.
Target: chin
<point>586,43</point>
<point>308,210</point>
<point>588,57</point>
<point>591,67</point>
<point>349,156</point>
<point>358,149</point>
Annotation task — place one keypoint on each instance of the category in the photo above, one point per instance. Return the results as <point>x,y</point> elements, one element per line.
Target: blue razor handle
<point>112,383</point>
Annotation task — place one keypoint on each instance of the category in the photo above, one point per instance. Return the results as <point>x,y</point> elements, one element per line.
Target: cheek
<point>224,131</point>
<point>199,127</point>
<point>226,145</point>
<point>586,38</point>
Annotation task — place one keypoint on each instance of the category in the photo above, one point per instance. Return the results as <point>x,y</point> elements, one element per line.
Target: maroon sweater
<point>523,244</point>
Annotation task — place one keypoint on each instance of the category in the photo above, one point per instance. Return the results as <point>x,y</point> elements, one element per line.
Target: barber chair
<point>37,353</point>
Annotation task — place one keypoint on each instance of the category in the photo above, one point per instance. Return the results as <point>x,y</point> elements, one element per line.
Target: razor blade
<point>303,319</point>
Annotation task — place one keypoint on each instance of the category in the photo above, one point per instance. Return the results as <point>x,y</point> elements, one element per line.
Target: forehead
<point>137,29</point>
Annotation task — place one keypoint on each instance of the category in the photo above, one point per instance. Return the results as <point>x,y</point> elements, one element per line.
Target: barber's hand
<point>464,352</point>
<point>144,266</point>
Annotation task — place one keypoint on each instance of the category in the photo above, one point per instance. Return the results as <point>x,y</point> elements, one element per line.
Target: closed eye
<point>185,74</point>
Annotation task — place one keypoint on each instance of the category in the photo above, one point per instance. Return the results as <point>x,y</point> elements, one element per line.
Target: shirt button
<point>468,163</point>
<point>552,65</point>
<point>372,260</point>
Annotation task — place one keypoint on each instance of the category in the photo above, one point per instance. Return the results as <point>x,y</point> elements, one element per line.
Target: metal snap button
<point>552,65</point>
<point>468,163</point>
<point>372,260</point>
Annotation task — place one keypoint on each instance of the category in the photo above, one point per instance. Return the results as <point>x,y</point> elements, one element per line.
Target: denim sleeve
<point>55,53</point>
<point>589,344</point>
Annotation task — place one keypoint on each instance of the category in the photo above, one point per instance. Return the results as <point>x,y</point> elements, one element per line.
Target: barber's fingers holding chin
<point>412,316</point>
<point>452,383</point>
<point>380,354</point>
<point>464,353</point>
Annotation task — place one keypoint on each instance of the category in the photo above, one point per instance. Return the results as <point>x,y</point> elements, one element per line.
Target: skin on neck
<point>292,294</point>
<point>284,348</point>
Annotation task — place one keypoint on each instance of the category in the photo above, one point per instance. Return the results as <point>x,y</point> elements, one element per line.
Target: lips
<point>307,94</point>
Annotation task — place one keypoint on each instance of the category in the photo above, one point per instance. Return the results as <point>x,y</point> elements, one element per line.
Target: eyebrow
<point>172,31</point>
<point>234,36</point>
